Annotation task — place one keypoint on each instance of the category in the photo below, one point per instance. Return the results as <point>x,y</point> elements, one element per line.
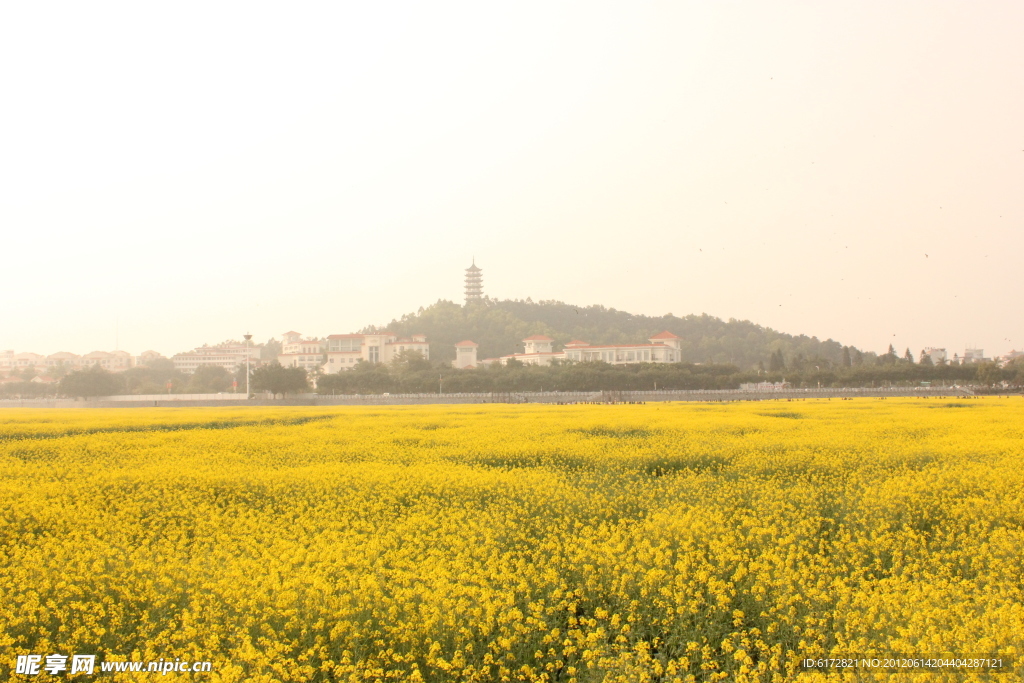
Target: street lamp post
<point>247,338</point>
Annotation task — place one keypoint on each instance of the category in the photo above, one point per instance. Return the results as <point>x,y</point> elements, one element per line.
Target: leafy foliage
<point>278,379</point>
<point>95,381</point>
<point>616,544</point>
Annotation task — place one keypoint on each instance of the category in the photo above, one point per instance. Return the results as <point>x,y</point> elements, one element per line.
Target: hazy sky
<point>189,171</point>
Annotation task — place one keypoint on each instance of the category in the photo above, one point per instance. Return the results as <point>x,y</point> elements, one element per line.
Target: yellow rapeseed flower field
<point>583,543</point>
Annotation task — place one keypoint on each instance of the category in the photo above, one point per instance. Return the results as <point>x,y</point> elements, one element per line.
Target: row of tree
<point>411,373</point>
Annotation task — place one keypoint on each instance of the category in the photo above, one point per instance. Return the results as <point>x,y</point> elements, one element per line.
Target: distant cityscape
<point>337,353</point>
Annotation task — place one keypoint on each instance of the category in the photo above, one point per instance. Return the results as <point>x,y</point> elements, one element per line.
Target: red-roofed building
<point>465,354</point>
<point>344,351</point>
<point>297,352</point>
<point>664,347</point>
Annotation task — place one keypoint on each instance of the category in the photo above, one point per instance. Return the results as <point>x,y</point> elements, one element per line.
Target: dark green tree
<point>152,378</point>
<point>1015,371</point>
<point>989,374</point>
<point>847,361</point>
<point>279,380</point>
<point>409,361</point>
<point>209,379</point>
<point>94,381</point>
<point>908,356</point>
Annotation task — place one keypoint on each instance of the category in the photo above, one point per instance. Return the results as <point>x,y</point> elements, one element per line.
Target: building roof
<point>628,346</point>
<point>538,337</point>
<point>531,355</point>
<point>577,342</point>
<point>467,342</point>
<point>666,335</point>
<point>345,336</point>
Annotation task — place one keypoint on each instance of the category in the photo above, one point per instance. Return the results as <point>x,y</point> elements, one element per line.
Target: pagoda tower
<point>474,283</point>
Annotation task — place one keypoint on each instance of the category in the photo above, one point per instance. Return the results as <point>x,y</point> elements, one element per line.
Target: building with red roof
<point>465,354</point>
<point>344,351</point>
<point>663,347</point>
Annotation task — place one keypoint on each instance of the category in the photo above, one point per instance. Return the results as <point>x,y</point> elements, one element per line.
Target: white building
<point>974,356</point>
<point>663,347</point>
<point>147,357</point>
<point>63,359</point>
<point>27,359</point>
<point>465,355</point>
<point>229,355</point>
<point>345,350</point>
<point>297,352</point>
<point>537,351</point>
<point>1012,356</point>
<point>938,356</point>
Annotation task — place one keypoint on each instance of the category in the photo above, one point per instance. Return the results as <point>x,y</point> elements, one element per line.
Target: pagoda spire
<point>474,283</point>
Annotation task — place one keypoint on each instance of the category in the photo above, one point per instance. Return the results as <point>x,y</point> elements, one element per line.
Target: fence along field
<point>524,543</point>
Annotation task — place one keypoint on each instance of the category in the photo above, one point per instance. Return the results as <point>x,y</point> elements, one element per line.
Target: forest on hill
<point>499,326</point>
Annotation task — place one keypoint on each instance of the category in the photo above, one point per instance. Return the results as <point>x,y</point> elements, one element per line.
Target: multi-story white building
<point>1012,356</point>
<point>63,359</point>
<point>297,352</point>
<point>27,359</point>
<point>938,356</point>
<point>146,357</point>
<point>663,347</point>
<point>345,350</point>
<point>974,356</point>
<point>115,361</point>
<point>229,355</point>
<point>537,351</point>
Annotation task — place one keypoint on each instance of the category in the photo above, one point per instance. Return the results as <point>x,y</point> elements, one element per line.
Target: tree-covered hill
<point>500,326</point>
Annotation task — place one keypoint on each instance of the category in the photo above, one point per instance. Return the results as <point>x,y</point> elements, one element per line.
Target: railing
<point>610,396</point>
